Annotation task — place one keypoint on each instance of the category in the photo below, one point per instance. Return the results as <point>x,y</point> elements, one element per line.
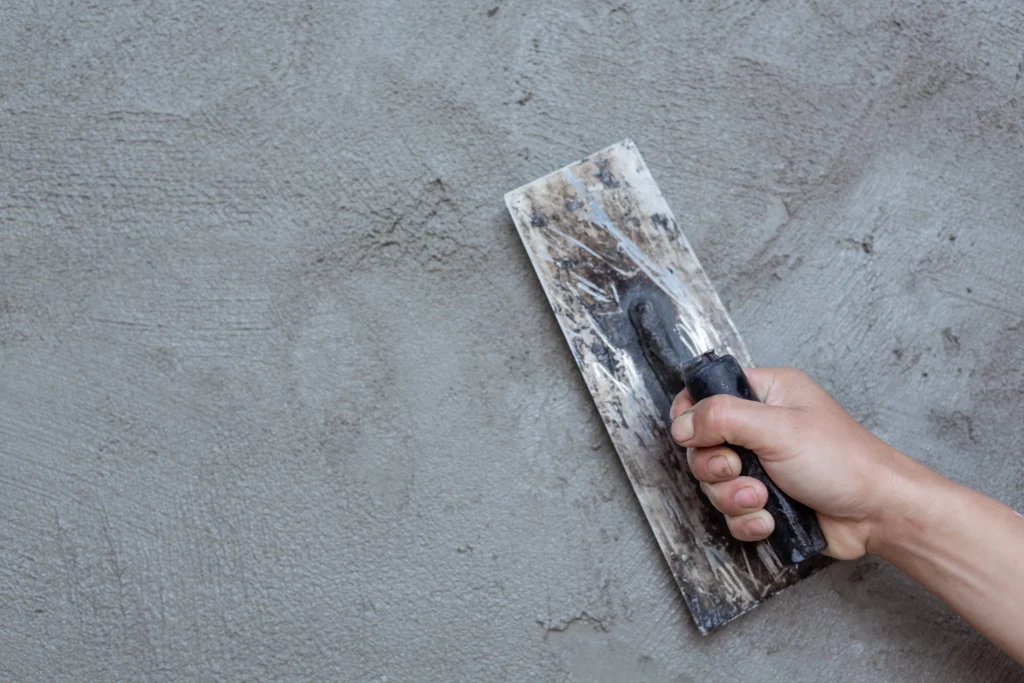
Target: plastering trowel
<point>643,322</point>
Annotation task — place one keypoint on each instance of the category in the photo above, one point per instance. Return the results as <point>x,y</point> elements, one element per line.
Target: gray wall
<point>282,398</point>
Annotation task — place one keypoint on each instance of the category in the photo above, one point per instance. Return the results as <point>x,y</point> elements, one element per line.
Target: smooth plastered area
<point>281,397</point>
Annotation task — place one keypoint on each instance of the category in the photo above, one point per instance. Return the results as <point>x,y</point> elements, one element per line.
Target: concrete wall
<point>281,396</point>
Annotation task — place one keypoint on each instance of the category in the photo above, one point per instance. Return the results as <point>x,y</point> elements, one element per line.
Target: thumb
<point>728,419</point>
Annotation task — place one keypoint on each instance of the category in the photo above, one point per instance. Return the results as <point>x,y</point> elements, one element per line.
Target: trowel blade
<point>600,235</point>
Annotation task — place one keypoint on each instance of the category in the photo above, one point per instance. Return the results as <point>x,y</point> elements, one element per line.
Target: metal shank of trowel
<point>797,535</point>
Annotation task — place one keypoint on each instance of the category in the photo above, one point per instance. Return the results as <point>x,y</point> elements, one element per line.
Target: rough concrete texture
<point>282,398</point>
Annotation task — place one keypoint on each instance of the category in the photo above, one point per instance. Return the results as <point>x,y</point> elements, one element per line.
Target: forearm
<point>961,545</point>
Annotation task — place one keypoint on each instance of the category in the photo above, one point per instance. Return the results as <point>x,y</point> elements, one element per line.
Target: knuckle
<point>795,376</point>
<point>700,470</point>
<point>741,527</point>
<point>715,413</point>
<point>736,527</point>
<point>720,463</point>
<point>723,450</point>
<point>711,493</point>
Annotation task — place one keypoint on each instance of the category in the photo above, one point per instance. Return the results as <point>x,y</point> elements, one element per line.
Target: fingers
<point>742,501</point>
<point>721,419</point>
<point>704,426</point>
<point>683,402</point>
<point>769,385</point>
<point>737,496</point>
<point>753,526</point>
<point>717,463</point>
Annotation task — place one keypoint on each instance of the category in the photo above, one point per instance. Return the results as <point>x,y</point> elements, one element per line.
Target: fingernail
<point>682,428</point>
<point>757,527</point>
<point>746,497</point>
<point>719,466</point>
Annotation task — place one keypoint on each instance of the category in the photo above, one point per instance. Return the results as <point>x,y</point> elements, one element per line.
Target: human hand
<point>809,446</point>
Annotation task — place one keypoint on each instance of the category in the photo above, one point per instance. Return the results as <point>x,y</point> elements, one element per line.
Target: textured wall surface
<point>280,395</point>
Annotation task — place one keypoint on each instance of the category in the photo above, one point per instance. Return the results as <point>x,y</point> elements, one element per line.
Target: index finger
<point>683,402</point>
<point>761,380</point>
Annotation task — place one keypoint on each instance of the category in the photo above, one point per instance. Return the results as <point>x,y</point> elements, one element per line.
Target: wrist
<point>908,508</point>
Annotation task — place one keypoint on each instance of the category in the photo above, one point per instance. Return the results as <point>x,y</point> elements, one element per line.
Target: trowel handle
<point>797,535</point>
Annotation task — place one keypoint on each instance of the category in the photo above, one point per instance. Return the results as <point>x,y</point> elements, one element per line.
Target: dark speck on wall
<point>950,340</point>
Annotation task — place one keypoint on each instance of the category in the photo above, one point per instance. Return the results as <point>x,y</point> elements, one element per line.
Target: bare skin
<point>961,545</point>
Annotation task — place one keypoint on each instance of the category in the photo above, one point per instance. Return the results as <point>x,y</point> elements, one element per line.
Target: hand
<point>810,447</point>
<point>963,546</point>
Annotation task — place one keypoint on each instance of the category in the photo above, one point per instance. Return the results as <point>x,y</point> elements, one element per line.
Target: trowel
<point>643,322</point>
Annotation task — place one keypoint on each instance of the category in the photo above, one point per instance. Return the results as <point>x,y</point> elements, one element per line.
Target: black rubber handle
<point>797,534</point>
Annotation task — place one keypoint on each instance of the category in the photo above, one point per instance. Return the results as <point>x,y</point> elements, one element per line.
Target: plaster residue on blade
<point>599,233</point>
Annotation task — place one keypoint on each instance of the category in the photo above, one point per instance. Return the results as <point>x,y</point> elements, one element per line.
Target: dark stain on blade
<point>607,179</point>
